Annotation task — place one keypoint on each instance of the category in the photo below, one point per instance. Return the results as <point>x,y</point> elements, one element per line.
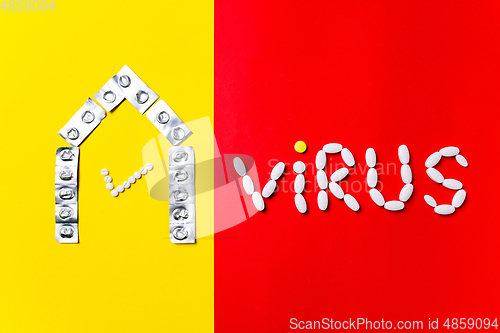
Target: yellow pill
<point>300,147</point>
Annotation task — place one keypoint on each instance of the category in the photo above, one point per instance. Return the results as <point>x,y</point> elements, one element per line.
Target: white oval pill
<point>444,209</point>
<point>108,179</point>
<point>248,185</point>
<point>299,167</point>
<point>149,166</point>
<point>322,200</point>
<point>462,161</point>
<point>394,205</point>
<point>347,157</point>
<point>104,172</point>
<point>449,151</point>
<point>277,171</point>
<point>452,184</point>
<point>258,202</point>
<point>433,159</point>
<point>109,186</point>
<point>300,203</point>
<point>406,175</point>
<point>120,188</point>
<point>435,175</point>
<point>403,154</point>
<point>126,184</point>
<point>131,179</point>
<point>114,193</point>
<point>336,190</point>
<point>372,177</point>
<point>320,160</point>
<point>143,171</point>
<point>269,188</point>
<point>339,174</point>
<point>458,199</point>
<point>406,192</point>
<point>299,183</point>
<point>371,157</point>
<point>351,202</point>
<point>430,201</point>
<point>322,179</point>
<point>239,166</point>
<point>377,197</point>
<point>332,148</point>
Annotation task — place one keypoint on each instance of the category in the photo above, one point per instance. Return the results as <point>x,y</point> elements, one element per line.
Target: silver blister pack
<point>110,95</point>
<point>135,90</point>
<point>83,122</point>
<point>168,123</point>
<point>182,207</point>
<point>66,194</point>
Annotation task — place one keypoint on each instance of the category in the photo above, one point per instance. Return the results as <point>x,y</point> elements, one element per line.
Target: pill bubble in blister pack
<point>168,123</point>
<point>134,89</point>
<point>110,95</point>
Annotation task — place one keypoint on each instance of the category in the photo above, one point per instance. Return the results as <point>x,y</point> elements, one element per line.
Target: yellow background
<point>125,275</point>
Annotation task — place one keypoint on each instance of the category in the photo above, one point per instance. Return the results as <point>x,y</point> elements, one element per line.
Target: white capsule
<point>371,157</point>
<point>114,193</point>
<point>394,205</point>
<point>322,179</point>
<point>104,172</point>
<point>332,148</point>
<point>339,174</point>
<point>239,166</point>
<point>258,202</point>
<point>300,203</point>
<point>120,188</point>
<point>277,171</point>
<point>430,201</point>
<point>269,188</point>
<point>320,160</point>
<point>299,167</point>
<point>149,166</point>
<point>462,161</point>
<point>336,190</point>
<point>403,154</point>
<point>126,184</point>
<point>444,209</point>
<point>435,175</point>
<point>433,159</point>
<point>131,179</point>
<point>322,200</point>
<point>406,175</point>
<point>406,192</point>
<point>452,184</point>
<point>450,151</point>
<point>143,171</point>
<point>299,184</point>
<point>248,185</point>
<point>108,179</point>
<point>351,202</point>
<point>347,157</point>
<point>458,199</point>
<point>110,186</point>
<point>377,197</point>
<point>372,177</point>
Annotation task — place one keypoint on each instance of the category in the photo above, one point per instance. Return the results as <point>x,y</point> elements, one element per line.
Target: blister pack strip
<point>66,194</point>
<point>110,95</point>
<point>168,123</point>
<point>83,122</point>
<point>182,212</point>
<point>135,90</point>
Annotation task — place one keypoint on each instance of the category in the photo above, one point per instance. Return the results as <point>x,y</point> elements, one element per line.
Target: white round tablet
<point>109,186</point>
<point>149,166</point>
<point>137,175</point>
<point>108,179</point>
<point>104,172</point>
<point>131,179</point>
<point>143,171</point>
<point>114,193</point>
<point>126,184</point>
<point>120,188</point>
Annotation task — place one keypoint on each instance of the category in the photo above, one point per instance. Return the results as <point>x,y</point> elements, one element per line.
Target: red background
<point>364,74</point>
